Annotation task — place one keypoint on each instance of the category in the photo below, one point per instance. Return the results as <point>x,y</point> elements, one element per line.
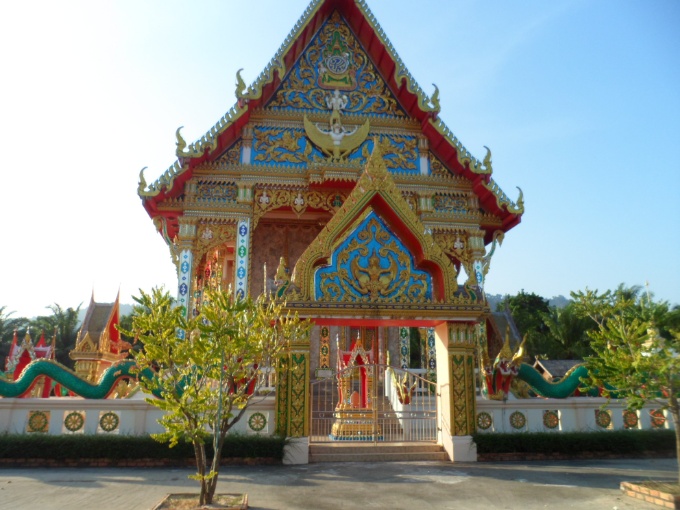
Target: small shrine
<point>99,344</point>
<point>355,375</point>
<point>24,352</point>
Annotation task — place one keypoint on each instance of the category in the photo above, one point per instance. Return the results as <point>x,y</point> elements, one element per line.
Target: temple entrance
<point>373,403</point>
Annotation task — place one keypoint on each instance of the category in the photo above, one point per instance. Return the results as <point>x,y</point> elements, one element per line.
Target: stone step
<point>394,452</point>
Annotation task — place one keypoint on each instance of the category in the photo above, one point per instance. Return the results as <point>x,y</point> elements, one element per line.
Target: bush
<point>42,446</point>
<point>618,442</point>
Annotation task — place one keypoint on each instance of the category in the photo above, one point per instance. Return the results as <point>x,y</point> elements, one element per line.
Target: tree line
<point>554,332</point>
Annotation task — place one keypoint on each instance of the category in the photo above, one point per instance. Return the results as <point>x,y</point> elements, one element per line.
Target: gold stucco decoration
<point>298,201</point>
<point>375,180</point>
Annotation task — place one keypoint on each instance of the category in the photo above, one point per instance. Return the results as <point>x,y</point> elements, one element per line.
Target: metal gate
<point>374,403</point>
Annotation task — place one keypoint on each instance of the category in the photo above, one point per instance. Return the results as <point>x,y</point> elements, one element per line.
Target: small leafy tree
<point>208,368</point>
<point>633,358</point>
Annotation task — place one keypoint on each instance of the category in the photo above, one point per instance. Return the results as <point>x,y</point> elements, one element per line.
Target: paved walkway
<point>585,485</point>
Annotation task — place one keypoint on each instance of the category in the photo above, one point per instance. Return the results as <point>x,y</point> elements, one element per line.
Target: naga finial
<point>487,160</point>
<point>240,85</point>
<point>141,186</point>
<point>434,100</point>
<point>519,207</point>
<point>180,143</point>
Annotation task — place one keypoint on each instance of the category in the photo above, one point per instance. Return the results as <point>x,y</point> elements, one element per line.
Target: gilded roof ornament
<point>240,85</point>
<point>181,144</point>
<point>434,100</point>
<point>487,160</point>
<point>519,208</point>
<point>503,200</point>
<point>141,186</point>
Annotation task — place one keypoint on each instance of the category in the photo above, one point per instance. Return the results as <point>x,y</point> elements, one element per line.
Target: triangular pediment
<point>373,250</point>
<point>335,60</point>
<point>282,126</point>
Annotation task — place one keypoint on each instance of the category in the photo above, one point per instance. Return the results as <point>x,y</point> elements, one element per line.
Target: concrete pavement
<point>585,485</point>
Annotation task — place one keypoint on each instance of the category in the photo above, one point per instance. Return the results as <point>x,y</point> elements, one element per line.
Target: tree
<point>633,358</point>
<point>568,332</point>
<point>527,311</point>
<point>208,379</point>
<point>65,321</point>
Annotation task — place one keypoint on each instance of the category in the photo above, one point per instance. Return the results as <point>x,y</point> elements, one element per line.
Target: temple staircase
<point>376,452</point>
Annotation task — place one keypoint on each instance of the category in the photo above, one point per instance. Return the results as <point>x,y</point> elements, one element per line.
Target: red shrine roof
<point>414,101</point>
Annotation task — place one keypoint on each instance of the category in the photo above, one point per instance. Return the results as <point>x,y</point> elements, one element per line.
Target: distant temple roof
<point>555,368</point>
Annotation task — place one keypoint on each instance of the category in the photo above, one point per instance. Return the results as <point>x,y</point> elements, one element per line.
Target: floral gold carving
<point>299,201</point>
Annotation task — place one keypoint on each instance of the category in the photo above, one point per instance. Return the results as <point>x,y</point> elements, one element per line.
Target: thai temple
<point>333,183</point>
<point>99,344</point>
<point>22,353</point>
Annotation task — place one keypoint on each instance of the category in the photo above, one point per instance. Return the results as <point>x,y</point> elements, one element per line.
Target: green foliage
<point>63,321</point>
<point>625,442</point>
<point>208,366</point>
<point>78,446</point>
<point>631,354</point>
<point>636,354</point>
<point>568,332</point>
<point>528,310</point>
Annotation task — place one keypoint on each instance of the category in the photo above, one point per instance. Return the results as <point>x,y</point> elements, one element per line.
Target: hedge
<point>80,446</point>
<point>615,441</point>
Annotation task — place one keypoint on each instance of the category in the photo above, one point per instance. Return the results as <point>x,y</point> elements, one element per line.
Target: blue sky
<point>578,101</point>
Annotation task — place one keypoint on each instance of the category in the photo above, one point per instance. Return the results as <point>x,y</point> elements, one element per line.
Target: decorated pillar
<point>429,352</point>
<point>292,396</point>
<point>324,369</point>
<point>456,343</point>
<point>242,258</point>
<point>404,347</point>
<point>185,239</point>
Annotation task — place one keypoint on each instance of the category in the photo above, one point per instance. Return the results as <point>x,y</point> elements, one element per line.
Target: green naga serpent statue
<point>126,370</point>
<point>68,379</point>
<point>507,368</point>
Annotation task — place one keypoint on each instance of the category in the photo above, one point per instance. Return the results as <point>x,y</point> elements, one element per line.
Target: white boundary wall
<point>135,416</point>
<point>573,414</point>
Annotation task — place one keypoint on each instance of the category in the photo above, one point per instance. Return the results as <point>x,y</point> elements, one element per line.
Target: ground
<point>585,485</point>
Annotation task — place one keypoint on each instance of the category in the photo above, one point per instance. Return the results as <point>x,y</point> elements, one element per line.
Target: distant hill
<point>557,301</point>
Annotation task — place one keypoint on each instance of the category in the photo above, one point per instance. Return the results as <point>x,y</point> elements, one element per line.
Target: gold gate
<point>375,403</point>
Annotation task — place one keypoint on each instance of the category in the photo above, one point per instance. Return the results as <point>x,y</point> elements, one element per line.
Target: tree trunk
<point>674,408</point>
<point>199,453</point>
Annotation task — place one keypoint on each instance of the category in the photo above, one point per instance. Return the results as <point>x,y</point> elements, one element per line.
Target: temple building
<point>22,353</point>
<point>333,183</point>
<point>99,344</point>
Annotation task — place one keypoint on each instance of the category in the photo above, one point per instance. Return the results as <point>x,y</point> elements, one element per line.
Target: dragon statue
<point>499,376</point>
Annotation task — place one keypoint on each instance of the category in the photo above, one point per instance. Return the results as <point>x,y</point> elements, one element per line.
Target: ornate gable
<point>335,60</point>
<point>358,258</point>
<point>310,121</point>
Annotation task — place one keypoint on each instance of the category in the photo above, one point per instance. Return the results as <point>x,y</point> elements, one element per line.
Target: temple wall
<point>273,240</point>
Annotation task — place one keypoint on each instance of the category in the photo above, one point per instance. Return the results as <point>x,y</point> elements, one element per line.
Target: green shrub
<point>42,446</point>
<point>618,441</point>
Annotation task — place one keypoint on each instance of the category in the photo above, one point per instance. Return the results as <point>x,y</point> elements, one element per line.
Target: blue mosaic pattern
<point>372,264</point>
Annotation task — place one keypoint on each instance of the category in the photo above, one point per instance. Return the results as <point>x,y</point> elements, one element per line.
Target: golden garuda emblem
<point>336,140</point>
